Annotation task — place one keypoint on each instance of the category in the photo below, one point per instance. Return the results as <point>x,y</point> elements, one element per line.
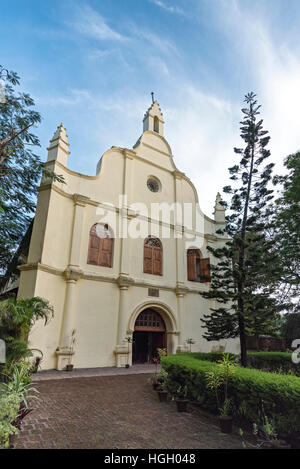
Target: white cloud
<point>99,54</point>
<point>274,64</point>
<point>160,44</point>
<point>202,130</point>
<point>159,66</point>
<point>169,8</point>
<point>91,23</point>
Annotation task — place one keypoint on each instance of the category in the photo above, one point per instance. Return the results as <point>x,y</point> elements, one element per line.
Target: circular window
<point>153,185</point>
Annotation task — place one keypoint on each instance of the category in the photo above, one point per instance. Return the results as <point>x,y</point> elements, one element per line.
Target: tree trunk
<point>241,281</point>
<point>257,341</point>
<point>243,344</point>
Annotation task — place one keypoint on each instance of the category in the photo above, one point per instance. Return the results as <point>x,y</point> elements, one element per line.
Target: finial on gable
<point>219,212</point>
<point>59,146</point>
<point>153,119</point>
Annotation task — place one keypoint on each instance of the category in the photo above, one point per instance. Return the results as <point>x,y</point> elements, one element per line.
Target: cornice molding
<point>123,281</point>
<point>73,273</point>
<point>81,200</point>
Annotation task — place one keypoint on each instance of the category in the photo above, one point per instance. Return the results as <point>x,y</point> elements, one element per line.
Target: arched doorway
<point>149,335</point>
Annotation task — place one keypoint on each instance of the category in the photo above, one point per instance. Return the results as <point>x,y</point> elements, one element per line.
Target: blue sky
<point>92,64</point>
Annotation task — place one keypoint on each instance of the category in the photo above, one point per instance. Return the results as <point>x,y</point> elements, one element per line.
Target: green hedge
<point>279,362</point>
<point>280,394</point>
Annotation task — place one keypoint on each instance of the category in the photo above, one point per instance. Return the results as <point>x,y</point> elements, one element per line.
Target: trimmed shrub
<point>213,356</point>
<point>249,389</point>
<point>279,362</point>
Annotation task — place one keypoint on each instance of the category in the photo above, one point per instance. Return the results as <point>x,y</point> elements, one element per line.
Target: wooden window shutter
<point>152,256</point>
<point>205,270</point>
<point>157,261</point>
<point>191,265</point>
<point>94,244</point>
<point>100,249</point>
<point>106,252</point>
<point>148,260</point>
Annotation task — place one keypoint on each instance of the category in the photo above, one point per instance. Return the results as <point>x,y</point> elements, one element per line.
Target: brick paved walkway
<point>91,372</point>
<point>115,412</point>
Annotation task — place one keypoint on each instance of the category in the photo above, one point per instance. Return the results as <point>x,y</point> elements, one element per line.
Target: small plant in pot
<point>266,434</point>
<point>129,341</point>
<point>225,418</point>
<point>180,397</point>
<point>218,380</point>
<point>154,382</point>
<point>161,352</point>
<point>69,366</point>
<point>190,342</point>
<point>36,364</point>
<point>162,388</point>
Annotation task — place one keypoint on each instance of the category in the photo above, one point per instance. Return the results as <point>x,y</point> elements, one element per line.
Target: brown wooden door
<point>149,334</point>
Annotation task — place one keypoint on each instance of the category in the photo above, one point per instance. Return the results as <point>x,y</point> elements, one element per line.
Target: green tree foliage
<point>291,328</point>
<point>17,316</point>
<point>20,166</point>
<point>286,233</point>
<point>241,282</point>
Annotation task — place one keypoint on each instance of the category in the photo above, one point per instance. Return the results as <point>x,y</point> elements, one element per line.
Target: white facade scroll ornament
<point>2,351</point>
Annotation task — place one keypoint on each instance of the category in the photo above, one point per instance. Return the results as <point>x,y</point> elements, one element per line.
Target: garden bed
<point>249,389</point>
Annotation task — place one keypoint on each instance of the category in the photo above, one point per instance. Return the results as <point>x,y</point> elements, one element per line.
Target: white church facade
<point>120,255</point>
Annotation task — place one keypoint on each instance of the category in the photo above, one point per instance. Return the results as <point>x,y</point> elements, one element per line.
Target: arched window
<point>149,320</point>
<point>197,268</point>
<point>100,245</point>
<point>152,256</point>
<point>156,124</point>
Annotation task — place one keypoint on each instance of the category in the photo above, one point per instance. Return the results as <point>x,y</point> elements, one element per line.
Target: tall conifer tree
<point>241,274</point>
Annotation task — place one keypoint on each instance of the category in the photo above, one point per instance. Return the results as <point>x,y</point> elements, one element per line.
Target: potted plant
<point>69,366</point>
<point>266,435</point>
<point>129,341</point>
<point>162,352</point>
<point>36,364</point>
<point>225,418</point>
<point>219,379</point>
<point>162,388</point>
<point>180,397</point>
<point>154,381</point>
<point>190,342</point>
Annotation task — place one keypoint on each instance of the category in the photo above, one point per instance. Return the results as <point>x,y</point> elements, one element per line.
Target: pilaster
<point>181,291</point>
<point>65,350</point>
<point>122,351</point>
<point>80,202</point>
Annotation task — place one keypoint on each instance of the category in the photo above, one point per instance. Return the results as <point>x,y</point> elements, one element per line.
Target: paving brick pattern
<point>115,412</point>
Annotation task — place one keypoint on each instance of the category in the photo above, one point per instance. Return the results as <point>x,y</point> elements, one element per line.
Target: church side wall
<point>46,338</point>
<point>95,322</point>
<point>58,234</point>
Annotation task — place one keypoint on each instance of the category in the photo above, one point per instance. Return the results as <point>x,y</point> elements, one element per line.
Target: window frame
<point>99,250</point>
<point>154,250</point>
